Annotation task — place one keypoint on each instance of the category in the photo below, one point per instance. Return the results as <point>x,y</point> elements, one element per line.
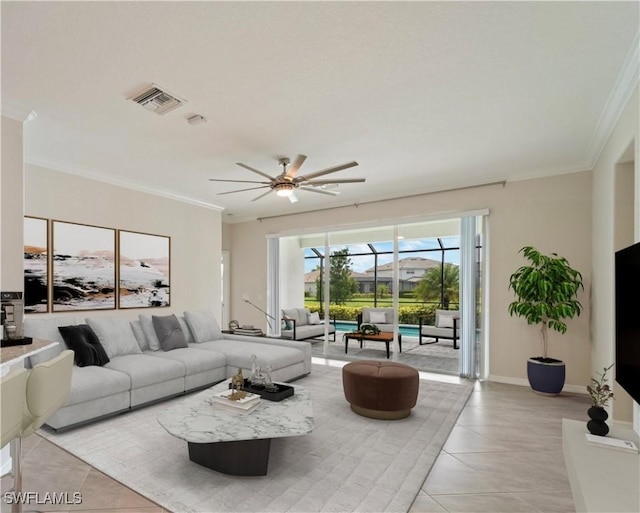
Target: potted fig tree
<point>546,293</point>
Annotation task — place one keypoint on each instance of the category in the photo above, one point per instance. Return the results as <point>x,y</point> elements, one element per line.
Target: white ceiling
<point>424,95</point>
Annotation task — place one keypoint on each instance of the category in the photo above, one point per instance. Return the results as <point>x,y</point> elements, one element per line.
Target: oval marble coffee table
<point>236,443</point>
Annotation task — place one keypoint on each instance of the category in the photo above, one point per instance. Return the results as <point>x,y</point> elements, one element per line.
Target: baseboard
<point>576,389</point>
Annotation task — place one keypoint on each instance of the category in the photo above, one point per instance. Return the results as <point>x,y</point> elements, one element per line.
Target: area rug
<point>348,463</point>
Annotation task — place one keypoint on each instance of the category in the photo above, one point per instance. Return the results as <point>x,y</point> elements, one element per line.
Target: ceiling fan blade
<point>255,170</point>
<point>326,171</point>
<point>295,167</point>
<point>263,195</point>
<point>237,181</point>
<point>321,191</point>
<point>293,198</point>
<point>327,182</point>
<point>242,190</point>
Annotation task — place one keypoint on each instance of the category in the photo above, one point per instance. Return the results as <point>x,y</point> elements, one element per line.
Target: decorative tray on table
<point>281,393</point>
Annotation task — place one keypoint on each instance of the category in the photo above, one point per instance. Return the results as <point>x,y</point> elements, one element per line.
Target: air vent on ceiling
<point>157,100</point>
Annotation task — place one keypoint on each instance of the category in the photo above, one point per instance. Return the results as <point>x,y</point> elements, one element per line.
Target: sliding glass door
<point>412,269</point>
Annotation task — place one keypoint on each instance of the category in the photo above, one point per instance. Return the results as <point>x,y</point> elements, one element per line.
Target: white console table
<point>602,479</point>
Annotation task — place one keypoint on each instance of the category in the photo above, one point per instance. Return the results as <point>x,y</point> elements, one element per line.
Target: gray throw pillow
<point>169,332</point>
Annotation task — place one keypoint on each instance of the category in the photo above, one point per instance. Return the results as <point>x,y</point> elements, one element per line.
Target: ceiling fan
<point>286,183</point>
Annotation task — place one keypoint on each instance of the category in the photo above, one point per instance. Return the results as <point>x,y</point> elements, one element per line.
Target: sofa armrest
<point>293,321</point>
<point>359,319</point>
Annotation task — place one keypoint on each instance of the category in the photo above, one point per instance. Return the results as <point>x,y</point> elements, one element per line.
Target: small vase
<point>597,424</point>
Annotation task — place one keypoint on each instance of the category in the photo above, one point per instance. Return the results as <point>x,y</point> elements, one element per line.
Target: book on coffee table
<point>246,404</point>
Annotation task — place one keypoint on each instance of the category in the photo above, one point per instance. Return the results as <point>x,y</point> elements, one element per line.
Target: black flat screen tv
<point>627,296</point>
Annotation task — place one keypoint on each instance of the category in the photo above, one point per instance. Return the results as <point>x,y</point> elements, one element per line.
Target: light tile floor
<point>503,455</point>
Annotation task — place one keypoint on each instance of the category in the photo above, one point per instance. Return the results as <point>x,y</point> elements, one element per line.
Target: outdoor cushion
<point>303,316</point>
<point>291,313</point>
<point>314,318</point>
<point>388,313</point>
<point>115,334</point>
<point>203,326</point>
<point>444,318</point>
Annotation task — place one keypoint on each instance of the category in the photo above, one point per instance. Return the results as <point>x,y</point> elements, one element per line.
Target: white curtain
<point>468,285</point>
<point>273,286</point>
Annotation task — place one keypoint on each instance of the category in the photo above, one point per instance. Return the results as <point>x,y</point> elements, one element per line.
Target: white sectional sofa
<point>140,372</point>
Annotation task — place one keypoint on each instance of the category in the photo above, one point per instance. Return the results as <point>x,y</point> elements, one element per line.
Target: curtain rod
<point>356,205</point>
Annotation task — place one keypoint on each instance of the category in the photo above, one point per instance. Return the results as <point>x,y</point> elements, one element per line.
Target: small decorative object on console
<point>233,325</point>
<point>600,392</point>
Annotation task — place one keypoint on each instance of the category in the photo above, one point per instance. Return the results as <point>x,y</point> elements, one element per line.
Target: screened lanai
<point>412,268</point>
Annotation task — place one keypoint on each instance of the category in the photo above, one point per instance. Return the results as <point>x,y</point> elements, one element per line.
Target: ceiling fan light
<point>284,190</point>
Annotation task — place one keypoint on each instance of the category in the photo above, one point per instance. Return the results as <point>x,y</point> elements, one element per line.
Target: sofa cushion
<point>115,334</point>
<point>93,382</point>
<point>239,354</point>
<point>194,359</point>
<point>314,318</point>
<point>85,344</point>
<point>149,332</point>
<point>185,330</point>
<point>136,327</point>
<point>169,332</point>
<point>145,370</point>
<point>203,326</point>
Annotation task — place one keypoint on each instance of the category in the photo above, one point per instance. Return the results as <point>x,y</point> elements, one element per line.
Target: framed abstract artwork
<point>144,279</point>
<point>84,269</point>
<point>36,265</point>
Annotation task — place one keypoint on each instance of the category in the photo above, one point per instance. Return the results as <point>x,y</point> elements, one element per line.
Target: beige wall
<point>11,206</point>
<point>553,214</point>
<point>608,222</point>
<point>196,232</point>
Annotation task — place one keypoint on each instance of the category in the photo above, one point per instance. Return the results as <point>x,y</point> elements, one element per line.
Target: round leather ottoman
<point>380,390</point>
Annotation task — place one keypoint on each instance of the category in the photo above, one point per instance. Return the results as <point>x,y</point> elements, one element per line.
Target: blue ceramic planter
<point>546,377</point>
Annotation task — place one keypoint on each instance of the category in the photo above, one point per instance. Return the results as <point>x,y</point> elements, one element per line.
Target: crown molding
<point>622,90</point>
<point>10,110</point>
<point>118,183</point>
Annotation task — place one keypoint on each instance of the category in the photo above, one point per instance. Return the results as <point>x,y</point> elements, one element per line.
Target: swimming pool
<point>406,330</point>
